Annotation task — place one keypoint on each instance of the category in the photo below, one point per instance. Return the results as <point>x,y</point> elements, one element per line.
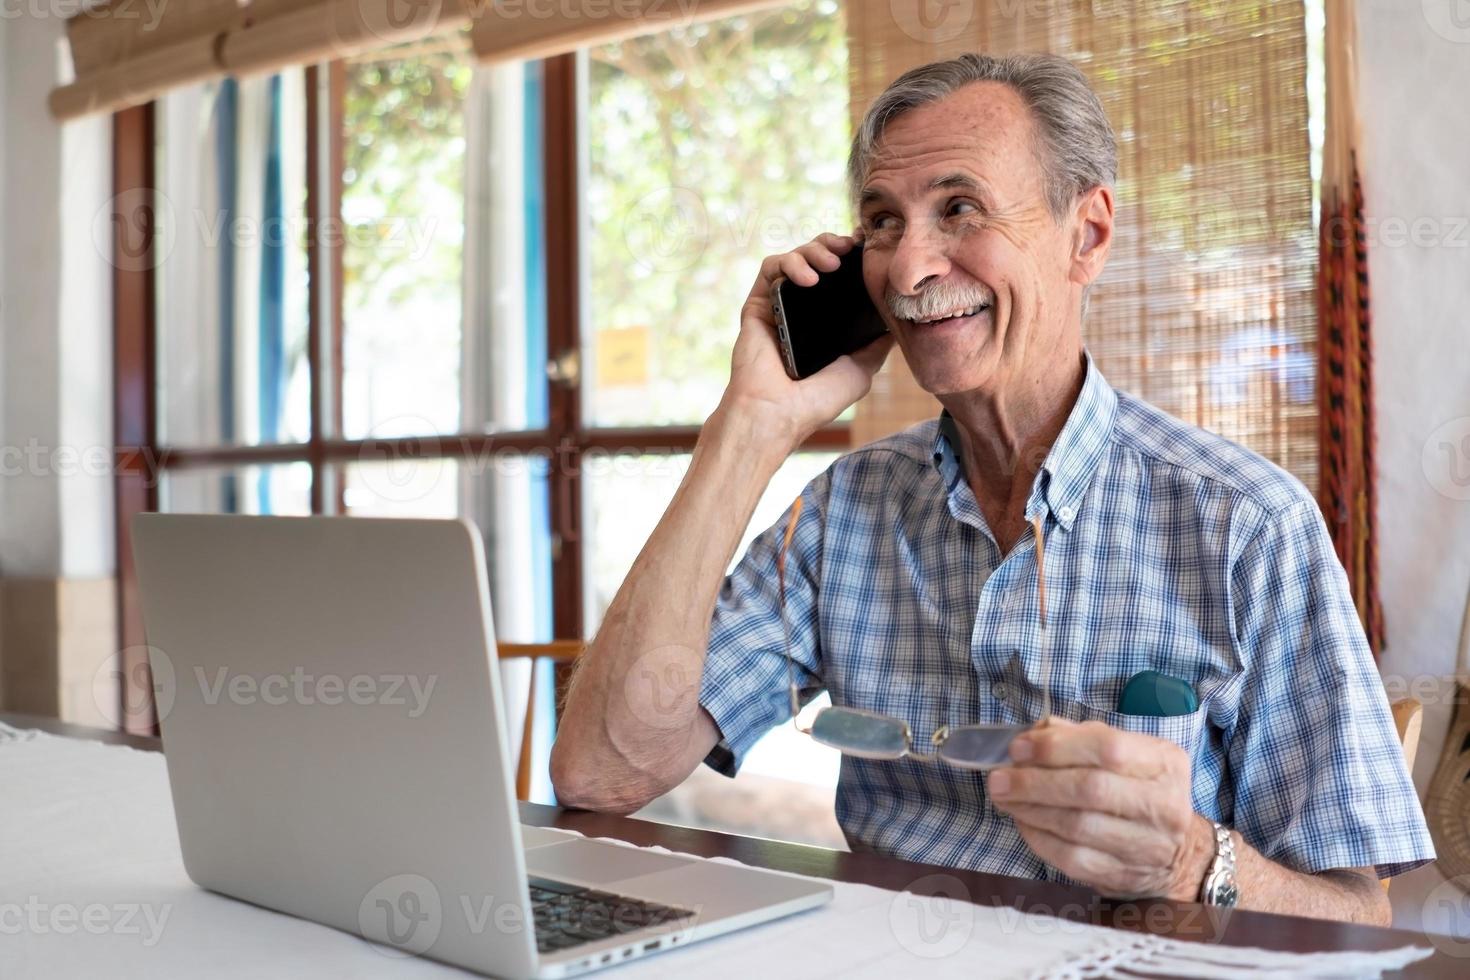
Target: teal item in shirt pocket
<point>1151,693</point>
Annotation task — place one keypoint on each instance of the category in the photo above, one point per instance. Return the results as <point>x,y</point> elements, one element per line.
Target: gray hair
<point>1077,148</point>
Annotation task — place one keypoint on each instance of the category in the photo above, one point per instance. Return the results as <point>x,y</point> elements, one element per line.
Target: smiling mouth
<point>949,317</point>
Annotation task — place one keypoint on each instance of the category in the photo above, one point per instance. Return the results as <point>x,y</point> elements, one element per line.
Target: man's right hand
<point>622,742</point>
<point>759,389</point>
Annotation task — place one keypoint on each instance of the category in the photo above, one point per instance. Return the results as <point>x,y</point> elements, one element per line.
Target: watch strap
<point>1220,886</point>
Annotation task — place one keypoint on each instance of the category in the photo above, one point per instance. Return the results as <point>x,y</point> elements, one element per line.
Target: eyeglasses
<point>871,735</point>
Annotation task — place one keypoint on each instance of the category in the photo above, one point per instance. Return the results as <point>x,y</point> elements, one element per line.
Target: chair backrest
<point>1408,718</point>
<point>557,651</point>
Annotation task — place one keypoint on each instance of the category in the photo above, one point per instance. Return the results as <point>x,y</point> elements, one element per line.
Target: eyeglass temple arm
<point>1038,524</point>
<point>785,622</point>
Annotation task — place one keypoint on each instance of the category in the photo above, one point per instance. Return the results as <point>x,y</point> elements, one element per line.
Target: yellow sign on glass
<point>622,357</point>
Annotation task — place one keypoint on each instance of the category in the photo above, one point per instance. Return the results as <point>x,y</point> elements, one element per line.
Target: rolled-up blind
<point>506,30</point>
<point>123,58</point>
<point>281,33</point>
<point>1207,305</point>
<point>124,53</point>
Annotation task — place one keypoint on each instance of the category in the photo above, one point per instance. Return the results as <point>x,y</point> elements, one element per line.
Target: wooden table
<point>1180,920</point>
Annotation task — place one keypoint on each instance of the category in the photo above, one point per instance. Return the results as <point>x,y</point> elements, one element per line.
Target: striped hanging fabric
<point>1347,493</point>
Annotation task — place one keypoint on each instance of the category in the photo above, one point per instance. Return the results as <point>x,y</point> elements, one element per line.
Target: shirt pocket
<point>1185,731</point>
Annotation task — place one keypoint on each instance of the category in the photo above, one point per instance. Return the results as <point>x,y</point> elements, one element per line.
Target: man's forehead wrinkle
<point>958,181</point>
<point>962,151</point>
<point>944,163</point>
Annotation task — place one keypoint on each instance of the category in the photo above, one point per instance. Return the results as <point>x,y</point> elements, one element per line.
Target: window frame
<point>142,459</point>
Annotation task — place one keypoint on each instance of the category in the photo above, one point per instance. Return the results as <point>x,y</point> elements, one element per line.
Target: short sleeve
<point>1319,775</point>
<point>745,687</point>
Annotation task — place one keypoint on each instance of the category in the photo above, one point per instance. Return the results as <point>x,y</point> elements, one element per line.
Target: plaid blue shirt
<point>1167,548</point>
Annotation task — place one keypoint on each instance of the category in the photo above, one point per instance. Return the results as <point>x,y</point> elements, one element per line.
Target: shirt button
<point>998,690</point>
<point>1066,513</point>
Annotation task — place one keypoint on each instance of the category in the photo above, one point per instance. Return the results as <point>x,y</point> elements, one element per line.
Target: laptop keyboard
<point>570,915</point>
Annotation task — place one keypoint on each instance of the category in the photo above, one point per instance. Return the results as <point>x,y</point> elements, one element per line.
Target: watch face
<point>1225,892</point>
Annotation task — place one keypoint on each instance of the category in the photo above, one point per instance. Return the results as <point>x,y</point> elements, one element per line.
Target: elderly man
<point>912,589</point>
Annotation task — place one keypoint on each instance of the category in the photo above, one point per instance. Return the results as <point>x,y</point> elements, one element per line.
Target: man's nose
<point>919,259</point>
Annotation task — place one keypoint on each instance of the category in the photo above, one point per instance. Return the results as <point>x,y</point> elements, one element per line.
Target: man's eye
<point>881,222</point>
<point>962,207</point>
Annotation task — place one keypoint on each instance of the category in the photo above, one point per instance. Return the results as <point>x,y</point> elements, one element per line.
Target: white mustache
<point>937,300</point>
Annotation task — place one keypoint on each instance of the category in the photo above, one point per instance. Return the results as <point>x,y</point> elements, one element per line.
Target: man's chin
<point>949,361</point>
<point>949,383</point>
<point>952,375</point>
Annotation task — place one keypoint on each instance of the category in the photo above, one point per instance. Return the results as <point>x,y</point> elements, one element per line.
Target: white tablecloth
<point>92,884</point>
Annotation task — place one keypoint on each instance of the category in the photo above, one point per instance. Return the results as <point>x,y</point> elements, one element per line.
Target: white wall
<point>4,252</point>
<point>1415,94</point>
<point>55,349</point>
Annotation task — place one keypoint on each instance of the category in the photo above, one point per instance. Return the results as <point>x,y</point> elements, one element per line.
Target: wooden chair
<point>557,651</point>
<point>1408,718</point>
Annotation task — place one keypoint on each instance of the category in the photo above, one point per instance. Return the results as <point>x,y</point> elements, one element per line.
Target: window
<point>403,216</point>
<point>431,333</point>
<point>709,148</point>
<point>281,488</point>
<point>232,273</point>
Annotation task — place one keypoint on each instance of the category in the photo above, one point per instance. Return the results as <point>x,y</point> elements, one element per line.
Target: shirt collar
<point>1070,463</point>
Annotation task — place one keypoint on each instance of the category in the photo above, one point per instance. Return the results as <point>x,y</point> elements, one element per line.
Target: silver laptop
<point>336,745</point>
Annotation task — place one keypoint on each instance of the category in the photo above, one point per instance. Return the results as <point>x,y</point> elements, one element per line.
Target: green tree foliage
<point>403,165</point>
<point>710,147</point>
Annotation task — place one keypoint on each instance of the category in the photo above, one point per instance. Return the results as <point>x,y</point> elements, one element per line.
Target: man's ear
<point>1094,235</point>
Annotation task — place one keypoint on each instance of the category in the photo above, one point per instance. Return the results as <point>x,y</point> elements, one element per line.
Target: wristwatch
<point>1219,887</point>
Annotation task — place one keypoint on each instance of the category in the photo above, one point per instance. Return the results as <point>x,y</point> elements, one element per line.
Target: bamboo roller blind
<point>1206,308</point>
<point>122,58</point>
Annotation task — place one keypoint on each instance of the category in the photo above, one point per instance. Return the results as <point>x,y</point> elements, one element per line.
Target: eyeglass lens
<point>861,734</point>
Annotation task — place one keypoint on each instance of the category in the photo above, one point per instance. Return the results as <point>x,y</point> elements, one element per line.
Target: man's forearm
<point>1347,895</point>
<point>632,727</point>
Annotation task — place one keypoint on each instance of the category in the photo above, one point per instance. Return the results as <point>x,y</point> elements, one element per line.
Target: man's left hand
<point>1107,807</point>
